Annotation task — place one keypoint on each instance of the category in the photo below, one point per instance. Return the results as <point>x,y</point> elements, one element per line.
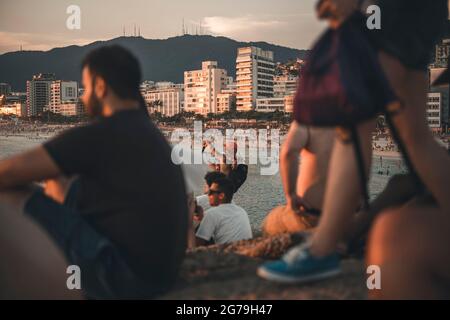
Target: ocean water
<point>260,193</point>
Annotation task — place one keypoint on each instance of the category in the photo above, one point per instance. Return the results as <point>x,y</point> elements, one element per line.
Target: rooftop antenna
<point>183,30</point>
<point>134,30</point>
<point>124,31</point>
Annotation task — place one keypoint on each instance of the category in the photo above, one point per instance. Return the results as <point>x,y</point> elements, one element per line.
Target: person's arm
<point>296,140</point>
<point>34,165</point>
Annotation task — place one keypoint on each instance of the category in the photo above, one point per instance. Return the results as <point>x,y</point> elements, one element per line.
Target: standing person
<point>128,194</point>
<point>225,222</point>
<point>405,41</point>
<point>304,189</point>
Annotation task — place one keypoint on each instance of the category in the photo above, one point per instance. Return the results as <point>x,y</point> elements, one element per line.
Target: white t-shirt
<point>224,224</point>
<point>203,201</point>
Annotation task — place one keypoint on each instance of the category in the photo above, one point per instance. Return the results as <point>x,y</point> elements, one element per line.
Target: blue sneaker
<point>299,266</point>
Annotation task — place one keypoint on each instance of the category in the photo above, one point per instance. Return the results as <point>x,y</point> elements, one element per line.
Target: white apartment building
<point>434,107</point>
<point>164,97</point>
<point>68,108</point>
<point>62,91</point>
<point>39,93</point>
<point>255,70</point>
<point>284,85</point>
<point>289,104</point>
<point>270,104</point>
<point>225,102</point>
<point>201,88</point>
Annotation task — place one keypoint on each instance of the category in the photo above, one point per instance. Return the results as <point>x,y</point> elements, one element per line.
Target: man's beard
<point>94,107</point>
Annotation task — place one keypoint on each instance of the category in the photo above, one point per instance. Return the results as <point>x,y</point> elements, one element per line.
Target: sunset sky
<point>41,25</point>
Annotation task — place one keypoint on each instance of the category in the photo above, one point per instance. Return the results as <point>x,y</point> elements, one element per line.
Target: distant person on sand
<point>123,220</point>
<point>409,31</point>
<point>225,222</point>
<point>304,186</point>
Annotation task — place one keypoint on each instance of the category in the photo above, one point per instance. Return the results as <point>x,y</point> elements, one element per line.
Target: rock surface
<point>229,272</point>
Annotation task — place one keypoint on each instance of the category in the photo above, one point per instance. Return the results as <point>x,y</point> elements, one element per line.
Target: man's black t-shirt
<point>130,190</point>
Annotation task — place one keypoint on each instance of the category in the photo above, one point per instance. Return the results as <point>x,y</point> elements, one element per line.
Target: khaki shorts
<point>283,220</point>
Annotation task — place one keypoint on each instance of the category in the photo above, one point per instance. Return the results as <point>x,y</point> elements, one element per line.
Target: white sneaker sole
<point>263,273</point>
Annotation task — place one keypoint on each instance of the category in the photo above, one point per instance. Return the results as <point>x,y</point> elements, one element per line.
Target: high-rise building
<point>201,88</point>
<point>39,93</point>
<point>164,97</point>
<point>5,89</point>
<point>255,69</point>
<point>284,85</point>
<point>64,98</point>
<point>63,91</point>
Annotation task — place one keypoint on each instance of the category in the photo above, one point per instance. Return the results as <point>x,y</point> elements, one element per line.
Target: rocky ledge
<point>229,272</point>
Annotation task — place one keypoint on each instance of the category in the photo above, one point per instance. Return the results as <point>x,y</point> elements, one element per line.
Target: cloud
<point>238,26</point>
<point>296,30</point>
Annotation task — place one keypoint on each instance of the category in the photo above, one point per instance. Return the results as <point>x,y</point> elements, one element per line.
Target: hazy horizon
<point>130,36</point>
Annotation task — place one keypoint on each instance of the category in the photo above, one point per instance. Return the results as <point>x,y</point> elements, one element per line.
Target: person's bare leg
<point>410,245</point>
<point>31,266</point>
<point>429,159</point>
<point>343,191</point>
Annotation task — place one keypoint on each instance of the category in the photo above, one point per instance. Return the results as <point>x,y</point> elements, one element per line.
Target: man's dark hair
<point>119,68</point>
<point>227,187</point>
<point>213,176</point>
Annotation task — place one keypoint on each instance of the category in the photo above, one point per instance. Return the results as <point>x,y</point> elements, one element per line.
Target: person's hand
<point>335,11</point>
<point>295,203</point>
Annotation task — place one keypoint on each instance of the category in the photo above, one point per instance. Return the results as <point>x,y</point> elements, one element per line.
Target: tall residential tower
<point>255,69</point>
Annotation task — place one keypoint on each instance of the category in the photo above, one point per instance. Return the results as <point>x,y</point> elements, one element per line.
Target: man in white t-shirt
<point>225,222</point>
<point>210,178</point>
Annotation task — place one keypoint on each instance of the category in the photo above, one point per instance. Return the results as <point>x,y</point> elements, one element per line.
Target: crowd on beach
<point>115,204</point>
<point>29,129</point>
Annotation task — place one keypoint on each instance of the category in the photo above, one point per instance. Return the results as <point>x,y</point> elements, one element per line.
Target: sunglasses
<point>211,192</point>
